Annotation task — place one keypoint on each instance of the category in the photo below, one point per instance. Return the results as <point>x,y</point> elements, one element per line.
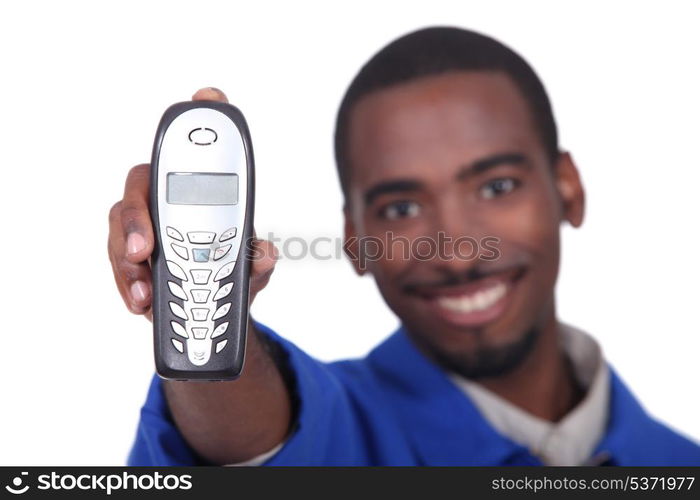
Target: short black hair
<point>433,51</point>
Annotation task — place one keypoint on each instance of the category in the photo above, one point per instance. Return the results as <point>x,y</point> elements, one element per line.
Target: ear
<point>351,243</point>
<point>570,189</point>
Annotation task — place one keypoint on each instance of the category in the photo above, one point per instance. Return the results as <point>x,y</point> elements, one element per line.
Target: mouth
<point>473,304</point>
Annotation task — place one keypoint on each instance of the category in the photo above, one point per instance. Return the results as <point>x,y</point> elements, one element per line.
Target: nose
<point>458,235</point>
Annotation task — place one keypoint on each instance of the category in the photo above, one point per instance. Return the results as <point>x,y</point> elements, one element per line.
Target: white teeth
<point>476,302</point>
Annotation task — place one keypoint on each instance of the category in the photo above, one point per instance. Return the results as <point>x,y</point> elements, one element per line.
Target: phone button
<point>221,311</point>
<point>225,271</point>
<point>228,234</point>
<point>178,345</point>
<point>223,291</point>
<point>174,233</point>
<point>200,333</point>
<point>200,254</point>
<point>176,270</point>
<point>177,290</point>
<point>200,314</point>
<point>178,310</point>
<point>201,237</point>
<point>202,136</point>
<point>219,330</point>
<point>181,251</point>
<point>179,329</point>
<point>220,252</point>
<point>220,346</point>
<point>200,295</point>
<point>200,276</point>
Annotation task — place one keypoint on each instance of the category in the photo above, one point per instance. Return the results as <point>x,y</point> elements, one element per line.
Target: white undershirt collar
<point>572,440</point>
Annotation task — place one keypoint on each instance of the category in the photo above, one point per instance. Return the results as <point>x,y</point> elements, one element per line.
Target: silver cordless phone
<point>201,195</point>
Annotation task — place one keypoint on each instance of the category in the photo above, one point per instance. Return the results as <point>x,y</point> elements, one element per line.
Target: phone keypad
<point>178,345</point>
<point>219,330</point>
<point>177,290</point>
<point>180,251</point>
<point>201,237</point>
<point>199,323</point>
<point>228,234</point>
<point>178,310</point>
<point>200,295</point>
<point>174,233</point>
<point>200,333</point>
<point>179,329</point>
<point>225,271</point>
<point>200,314</point>
<point>222,311</point>
<point>200,254</point>
<point>176,270</point>
<point>200,276</point>
<point>223,291</point>
<point>221,252</point>
<point>220,346</point>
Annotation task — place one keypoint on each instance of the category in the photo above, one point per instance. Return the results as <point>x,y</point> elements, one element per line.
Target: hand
<point>131,240</point>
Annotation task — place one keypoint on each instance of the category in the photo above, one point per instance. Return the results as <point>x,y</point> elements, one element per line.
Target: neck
<point>543,384</point>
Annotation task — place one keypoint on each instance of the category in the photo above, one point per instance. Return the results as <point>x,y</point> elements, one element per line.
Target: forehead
<point>432,126</point>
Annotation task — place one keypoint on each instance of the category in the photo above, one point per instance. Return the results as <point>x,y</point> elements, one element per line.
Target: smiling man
<point>443,135</point>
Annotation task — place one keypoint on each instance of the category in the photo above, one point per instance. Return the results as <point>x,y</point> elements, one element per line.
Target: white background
<point>83,86</point>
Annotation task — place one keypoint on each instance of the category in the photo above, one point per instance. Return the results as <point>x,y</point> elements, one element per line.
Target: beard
<point>487,361</point>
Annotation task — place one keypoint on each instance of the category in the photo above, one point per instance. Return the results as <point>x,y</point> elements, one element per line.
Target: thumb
<point>209,94</point>
<point>264,257</point>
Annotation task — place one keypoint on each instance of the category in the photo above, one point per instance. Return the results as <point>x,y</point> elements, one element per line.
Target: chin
<point>481,354</point>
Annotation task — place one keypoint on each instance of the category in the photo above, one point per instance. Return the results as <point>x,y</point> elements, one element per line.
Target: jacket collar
<point>629,429</point>
<point>445,428</point>
<point>443,425</point>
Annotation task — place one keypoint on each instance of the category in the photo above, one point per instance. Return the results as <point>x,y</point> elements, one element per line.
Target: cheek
<point>531,227</point>
<point>530,219</point>
<point>386,255</point>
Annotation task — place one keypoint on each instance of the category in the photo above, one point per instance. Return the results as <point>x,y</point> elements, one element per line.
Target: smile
<point>477,301</point>
<point>473,304</point>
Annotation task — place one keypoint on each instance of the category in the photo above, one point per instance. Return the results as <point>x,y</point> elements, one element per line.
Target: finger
<point>209,94</point>
<point>133,280</point>
<point>264,257</point>
<point>135,215</point>
<point>134,284</point>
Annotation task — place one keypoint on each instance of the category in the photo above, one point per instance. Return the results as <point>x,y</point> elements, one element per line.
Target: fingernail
<point>139,291</point>
<point>135,243</point>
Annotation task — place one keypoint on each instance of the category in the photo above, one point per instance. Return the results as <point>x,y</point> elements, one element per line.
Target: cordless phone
<point>201,202</point>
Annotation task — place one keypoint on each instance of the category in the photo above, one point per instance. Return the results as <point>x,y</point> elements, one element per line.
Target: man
<point>444,134</point>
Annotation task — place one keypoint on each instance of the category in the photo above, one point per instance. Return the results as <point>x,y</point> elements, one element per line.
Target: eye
<point>399,210</point>
<point>498,187</point>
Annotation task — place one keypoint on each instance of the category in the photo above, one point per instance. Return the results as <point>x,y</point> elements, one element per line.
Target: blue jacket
<point>395,407</point>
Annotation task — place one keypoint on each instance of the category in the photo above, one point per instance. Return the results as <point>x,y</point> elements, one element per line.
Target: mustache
<point>445,277</point>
